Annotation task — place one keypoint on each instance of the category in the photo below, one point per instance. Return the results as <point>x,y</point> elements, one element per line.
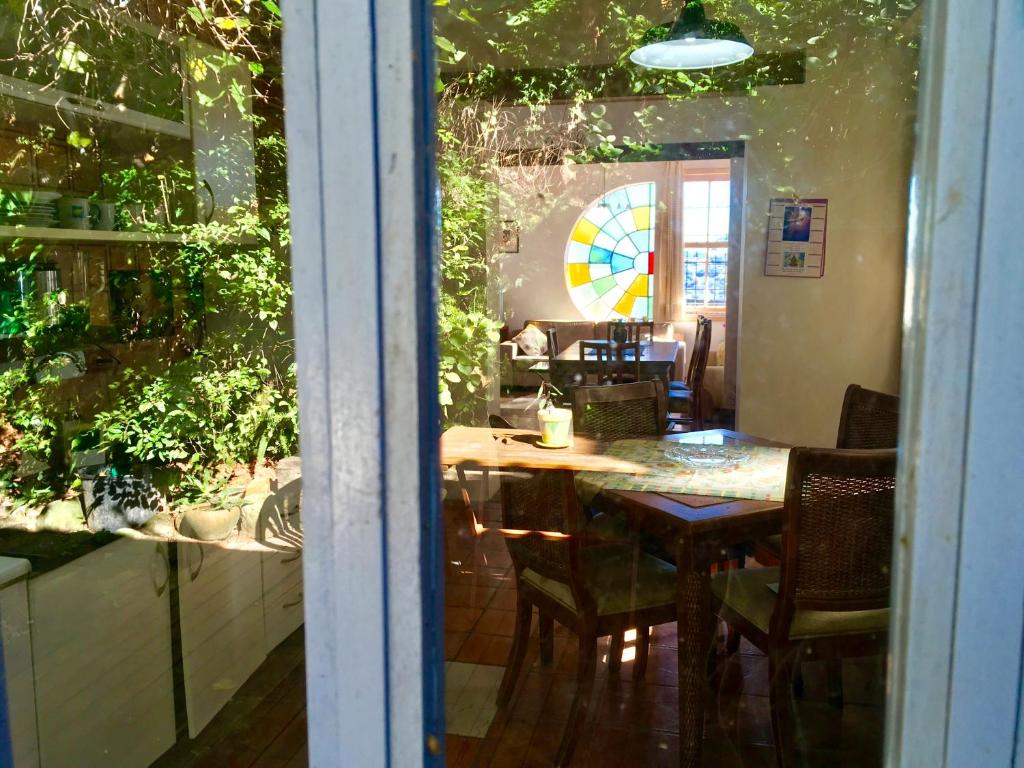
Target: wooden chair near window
<point>829,599</point>
<point>595,589</point>
<point>689,402</point>
<point>616,363</point>
<point>636,330</point>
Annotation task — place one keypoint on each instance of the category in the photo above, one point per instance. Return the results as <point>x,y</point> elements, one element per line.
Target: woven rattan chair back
<point>620,411</point>
<point>544,513</point>
<point>837,536</point>
<point>869,419</point>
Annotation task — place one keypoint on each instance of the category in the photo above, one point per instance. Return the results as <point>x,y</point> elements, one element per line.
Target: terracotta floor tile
<point>458,619</point>
<point>504,599</point>
<point>497,622</point>
<point>452,643</point>
<point>474,648</point>
<point>497,651</point>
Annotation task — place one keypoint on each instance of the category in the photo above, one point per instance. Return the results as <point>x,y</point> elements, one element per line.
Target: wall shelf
<point>88,235</point>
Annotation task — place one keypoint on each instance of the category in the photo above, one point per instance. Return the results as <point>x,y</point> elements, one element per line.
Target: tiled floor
<point>632,723</point>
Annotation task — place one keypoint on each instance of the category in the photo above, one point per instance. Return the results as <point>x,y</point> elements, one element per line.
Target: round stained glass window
<point>609,260</point>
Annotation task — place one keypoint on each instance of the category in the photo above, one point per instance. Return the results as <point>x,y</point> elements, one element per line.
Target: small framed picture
<point>796,238</point>
<point>508,240</point>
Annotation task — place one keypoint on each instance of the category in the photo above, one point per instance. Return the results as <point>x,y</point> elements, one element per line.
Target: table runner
<point>762,477</point>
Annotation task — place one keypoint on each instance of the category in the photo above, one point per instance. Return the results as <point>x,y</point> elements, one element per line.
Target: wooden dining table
<point>704,529</point>
<point>657,359</point>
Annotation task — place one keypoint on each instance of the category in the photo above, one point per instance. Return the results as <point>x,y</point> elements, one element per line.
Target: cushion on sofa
<point>532,341</point>
<point>567,331</point>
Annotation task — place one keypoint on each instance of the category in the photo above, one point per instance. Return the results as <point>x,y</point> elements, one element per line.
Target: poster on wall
<point>796,238</point>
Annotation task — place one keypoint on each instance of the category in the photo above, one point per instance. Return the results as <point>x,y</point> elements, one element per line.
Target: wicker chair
<point>830,597</point>
<point>869,420</point>
<point>691,399</point>
<point>619,411</point>
<point>594,589</point>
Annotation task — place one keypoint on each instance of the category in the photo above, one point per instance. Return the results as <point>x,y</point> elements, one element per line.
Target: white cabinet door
<point>101,646</point>
<point>17,640</point>
<point>222,637</point>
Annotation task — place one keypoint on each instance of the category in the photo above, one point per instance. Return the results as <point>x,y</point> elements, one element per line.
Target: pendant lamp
<point>692,42</point>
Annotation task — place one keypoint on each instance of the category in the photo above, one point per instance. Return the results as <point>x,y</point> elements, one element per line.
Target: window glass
<point>150,517</point>
<point>579,451</point>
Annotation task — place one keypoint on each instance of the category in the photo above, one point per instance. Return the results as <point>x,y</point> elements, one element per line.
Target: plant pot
<point>62,515</point>
<point>209,523</point>
<point>555,427</point>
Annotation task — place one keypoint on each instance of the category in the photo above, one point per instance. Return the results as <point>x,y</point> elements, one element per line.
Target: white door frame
<point>358,93</point>
<point>959,580</point>
<point>359,85</point>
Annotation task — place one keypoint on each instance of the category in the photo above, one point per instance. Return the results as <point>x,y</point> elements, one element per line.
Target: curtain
<point>668,247</point>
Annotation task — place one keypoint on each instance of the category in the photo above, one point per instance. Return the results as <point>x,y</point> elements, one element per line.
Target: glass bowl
<point>706,456</point>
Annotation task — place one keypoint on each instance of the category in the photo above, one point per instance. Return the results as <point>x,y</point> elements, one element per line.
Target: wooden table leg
<point>693,603</point>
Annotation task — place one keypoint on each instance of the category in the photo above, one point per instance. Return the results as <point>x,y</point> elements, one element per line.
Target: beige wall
<point>845,135</point>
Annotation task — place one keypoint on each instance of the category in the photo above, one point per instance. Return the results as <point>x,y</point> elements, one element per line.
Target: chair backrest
<point>543,511</point>
<point>636,330</point>
<point>616,363</point>
<point>697,334</point>
<point>620,411</point>
<point>869,419</point>
<point>696,380</point>
<point>837,533</point>
<point>552,334</point>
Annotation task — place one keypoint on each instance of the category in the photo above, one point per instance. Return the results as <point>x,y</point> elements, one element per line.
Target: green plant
<point>206,487</point>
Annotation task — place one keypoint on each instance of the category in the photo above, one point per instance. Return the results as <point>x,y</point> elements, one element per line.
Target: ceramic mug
<point>103,215</point>
<point>73,212</point>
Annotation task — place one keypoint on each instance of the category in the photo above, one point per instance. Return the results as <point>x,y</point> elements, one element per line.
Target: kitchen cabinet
<point>17,644</point>
<point>220,601</point>
<point>101,653</point>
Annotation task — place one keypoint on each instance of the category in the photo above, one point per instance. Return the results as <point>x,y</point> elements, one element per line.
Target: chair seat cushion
<point>751,592</point>
<point>608,571</point>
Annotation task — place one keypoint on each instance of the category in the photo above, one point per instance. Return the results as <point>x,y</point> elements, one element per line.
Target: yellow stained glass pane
<point>578,274</point>
<point>625,305</point>
<point>585,232</point>
<point>642,217</point>
<point>639,286</point>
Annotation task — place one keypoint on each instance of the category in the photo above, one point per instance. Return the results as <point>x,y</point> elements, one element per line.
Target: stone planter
<point>209,523</point>
<point>62,515</point>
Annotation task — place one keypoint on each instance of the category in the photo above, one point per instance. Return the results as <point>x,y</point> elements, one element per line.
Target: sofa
<point>515,364</point>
